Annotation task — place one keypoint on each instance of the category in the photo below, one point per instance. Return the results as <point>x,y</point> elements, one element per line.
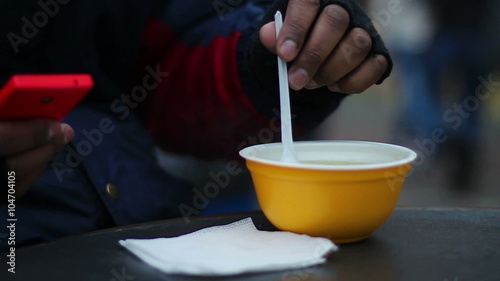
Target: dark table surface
<point>415,244</point>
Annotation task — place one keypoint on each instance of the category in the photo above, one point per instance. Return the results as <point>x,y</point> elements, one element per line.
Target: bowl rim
<point>412,155</point>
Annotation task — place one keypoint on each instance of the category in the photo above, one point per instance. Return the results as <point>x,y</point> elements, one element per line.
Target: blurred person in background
<point>458,50</point>
<point>441,50</point>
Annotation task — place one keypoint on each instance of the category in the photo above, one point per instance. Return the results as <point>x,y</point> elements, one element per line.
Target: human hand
<point>28,146</point>
<point>325,51</point>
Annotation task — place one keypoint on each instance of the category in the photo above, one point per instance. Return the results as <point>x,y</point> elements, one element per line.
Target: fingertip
<point>61,132</point>
<point>288,50</point>
<point>311,85</point>
<point>298,78</point>
<point>45,128</point>
<point>364,76</point>
<point>68,132</point>
<point>334,88</point>
<point>267,35</point>
<point>382,63</point>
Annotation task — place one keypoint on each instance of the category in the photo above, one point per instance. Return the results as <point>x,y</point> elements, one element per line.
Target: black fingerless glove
<point>263,60</point>
<point>310,106</point>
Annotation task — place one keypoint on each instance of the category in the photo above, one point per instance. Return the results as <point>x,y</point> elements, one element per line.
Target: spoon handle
<point>286,120</point>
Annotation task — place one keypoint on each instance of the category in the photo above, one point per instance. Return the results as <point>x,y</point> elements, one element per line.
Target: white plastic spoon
<point>286,119</point>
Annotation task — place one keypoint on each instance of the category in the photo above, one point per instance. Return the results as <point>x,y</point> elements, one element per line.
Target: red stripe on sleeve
<point>200,108</point>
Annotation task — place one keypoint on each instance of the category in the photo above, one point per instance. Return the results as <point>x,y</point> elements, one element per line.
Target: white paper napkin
<point>231,249</point>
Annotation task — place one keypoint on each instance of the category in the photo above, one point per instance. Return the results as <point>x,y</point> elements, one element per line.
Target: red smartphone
<point>29,96</point>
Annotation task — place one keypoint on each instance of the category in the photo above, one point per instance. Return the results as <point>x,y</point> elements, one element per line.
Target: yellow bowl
<point>343,190</point>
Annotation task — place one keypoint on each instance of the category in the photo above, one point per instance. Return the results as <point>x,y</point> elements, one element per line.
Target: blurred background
<point>442,100</point>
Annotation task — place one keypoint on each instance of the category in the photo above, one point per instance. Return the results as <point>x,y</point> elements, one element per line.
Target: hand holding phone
<point>37,103</point>
<point>30,96</point>
<point>27,147</point>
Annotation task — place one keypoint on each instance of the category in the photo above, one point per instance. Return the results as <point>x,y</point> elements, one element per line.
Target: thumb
<point>267,35</point>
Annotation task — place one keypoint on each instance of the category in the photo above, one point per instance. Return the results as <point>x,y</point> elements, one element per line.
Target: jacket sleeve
<point>221,90</point>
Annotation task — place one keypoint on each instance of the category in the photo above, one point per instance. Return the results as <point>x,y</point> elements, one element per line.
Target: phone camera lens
<point>46,99</point>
